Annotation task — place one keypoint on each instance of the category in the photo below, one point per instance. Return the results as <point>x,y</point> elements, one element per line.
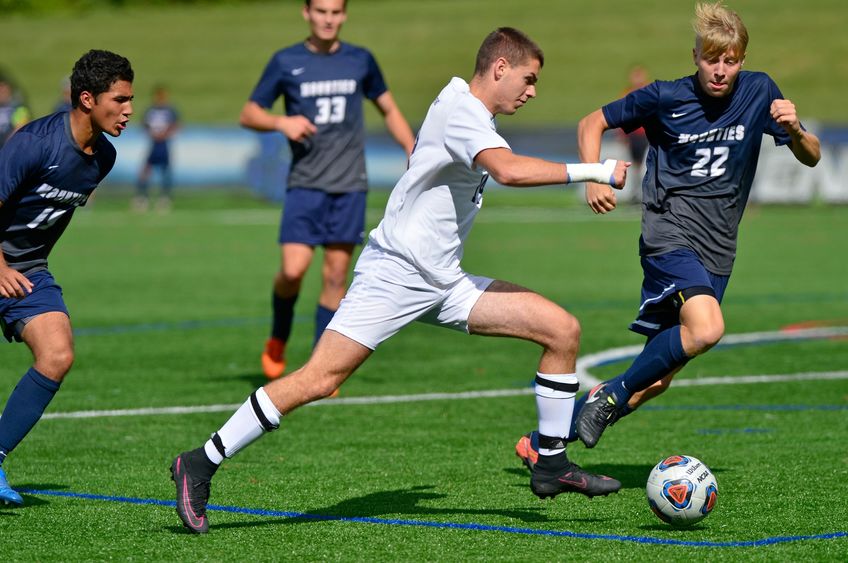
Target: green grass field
<point>212,55</point>
<point>171,311</point>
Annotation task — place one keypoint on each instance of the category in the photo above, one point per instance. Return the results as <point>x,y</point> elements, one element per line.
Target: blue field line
<point>767,408</point>
<point>444,525</point>
<point>163,326</point>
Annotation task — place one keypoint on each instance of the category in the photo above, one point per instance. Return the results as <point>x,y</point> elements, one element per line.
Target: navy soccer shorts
<point>670,279</point>
<point>159,155</point>
<point>317,218</point>
<point>46,297</point>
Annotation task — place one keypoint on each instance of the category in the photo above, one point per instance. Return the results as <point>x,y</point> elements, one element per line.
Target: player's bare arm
<point>600,197</point>
<point>12,282</point>
<point>805,146</point>
<point>295,127</point>
<point>395,121</point>
<point>510,169</point>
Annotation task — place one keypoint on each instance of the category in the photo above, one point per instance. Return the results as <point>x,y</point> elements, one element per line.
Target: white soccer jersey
<point>432,207</point>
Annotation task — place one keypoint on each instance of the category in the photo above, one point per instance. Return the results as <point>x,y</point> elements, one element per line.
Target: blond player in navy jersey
<point>705,132</point>
<point>410,271</point>
<point>323,82</point>
<point>48,169</point>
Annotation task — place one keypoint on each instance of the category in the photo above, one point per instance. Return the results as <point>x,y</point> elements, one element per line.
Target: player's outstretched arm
<point>396,123</point>
<point>295,127</point>
<point>601,198</point>
<point>805,146</point>
<point>510,169</point>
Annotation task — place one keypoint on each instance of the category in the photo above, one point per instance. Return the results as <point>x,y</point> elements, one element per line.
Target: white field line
<point>589,361</point>
<point>583,366</point>
<point>271,217</point>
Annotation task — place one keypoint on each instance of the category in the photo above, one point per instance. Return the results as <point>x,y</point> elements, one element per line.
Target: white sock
<point>555,406</point>
<point>255,417</point>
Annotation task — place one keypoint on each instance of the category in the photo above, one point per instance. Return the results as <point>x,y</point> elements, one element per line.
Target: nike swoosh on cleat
<point>581,484</point>
<point>187,506</point>
<point>593,394</point>
<point>676,115</point>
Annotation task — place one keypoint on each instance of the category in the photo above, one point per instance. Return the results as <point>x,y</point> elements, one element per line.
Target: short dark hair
<point>509,43</point>
<point>96,71</point>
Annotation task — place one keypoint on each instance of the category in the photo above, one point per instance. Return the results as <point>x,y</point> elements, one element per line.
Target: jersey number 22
<point>713,158</point>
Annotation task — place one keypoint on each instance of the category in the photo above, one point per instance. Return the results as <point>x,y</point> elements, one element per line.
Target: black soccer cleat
<point>192,495</point>
<point>599,411</point>
<point>570,478</point>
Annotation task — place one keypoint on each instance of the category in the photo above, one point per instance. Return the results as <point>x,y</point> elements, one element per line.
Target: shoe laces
<point>607,412</point>
<point>199,497</point>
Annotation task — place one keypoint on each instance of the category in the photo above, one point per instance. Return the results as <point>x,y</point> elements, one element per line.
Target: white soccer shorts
<point>388,293</point>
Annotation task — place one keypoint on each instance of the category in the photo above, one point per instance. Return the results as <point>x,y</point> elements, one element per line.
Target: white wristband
<point>594,172</point>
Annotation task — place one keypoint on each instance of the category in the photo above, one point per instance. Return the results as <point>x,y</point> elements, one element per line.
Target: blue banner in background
<point>204,156</point>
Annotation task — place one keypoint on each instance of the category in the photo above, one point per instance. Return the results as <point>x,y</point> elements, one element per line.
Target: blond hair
<point>717,30</point>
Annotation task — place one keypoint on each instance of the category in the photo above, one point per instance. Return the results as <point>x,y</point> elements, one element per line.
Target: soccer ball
<point>681,490</point>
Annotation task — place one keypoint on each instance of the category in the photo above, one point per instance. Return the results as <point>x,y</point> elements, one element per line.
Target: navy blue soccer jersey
<point>158,119</point>
<point>44,177</point>
<point>328,89</point>
<point>701,161</point>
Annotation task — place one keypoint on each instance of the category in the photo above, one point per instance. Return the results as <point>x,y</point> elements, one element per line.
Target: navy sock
<point>661,355</point>
<point>323,316</point>
<point>283,316</point>
<point>24,408</point>
<point>578,404</point>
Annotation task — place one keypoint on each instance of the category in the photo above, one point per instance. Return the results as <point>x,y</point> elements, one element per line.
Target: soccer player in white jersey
<point>410,271</point>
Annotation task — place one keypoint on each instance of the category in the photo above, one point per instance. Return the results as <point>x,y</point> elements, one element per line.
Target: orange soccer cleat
<point>273,358</point>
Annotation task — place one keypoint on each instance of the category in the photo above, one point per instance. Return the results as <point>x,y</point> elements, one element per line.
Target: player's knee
<point>705,337</point>
<point>57,363</point>
<point>335,281</point>
<point>287,282</point>
<point>566,334</point>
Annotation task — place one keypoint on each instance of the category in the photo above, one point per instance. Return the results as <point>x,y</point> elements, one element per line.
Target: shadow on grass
<point>400,504</point>
<point>632,476</point>
<point>253,379</point>
<point>670,528</point>
<point>31,501</point>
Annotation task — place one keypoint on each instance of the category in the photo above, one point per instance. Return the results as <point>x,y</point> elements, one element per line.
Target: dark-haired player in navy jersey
<point>705,132</point>
<point>323,82</point>
<point>48,169</point>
